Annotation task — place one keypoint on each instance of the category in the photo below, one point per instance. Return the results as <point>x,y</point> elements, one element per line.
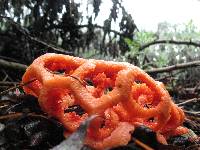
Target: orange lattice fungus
<point>122,95</point>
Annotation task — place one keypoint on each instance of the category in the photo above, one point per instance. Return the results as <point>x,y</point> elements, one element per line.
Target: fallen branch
<point>174,67</point>
<point>12,65</point>
<point>189,43</point>
<point>22,67</point>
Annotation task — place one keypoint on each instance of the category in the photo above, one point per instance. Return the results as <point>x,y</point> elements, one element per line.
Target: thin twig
<point>60,50</point>
<point>5,78</point>
<point>81,82</point>
<point>141,144</point>
<point>169,76</point>
<point>86,26</point>
<point>11,116</point>
<point>192,112</point>
<point>8,77</point>
<point>38,116</point>
<point>6,83</point>
<point>189,43</point>
<point>17,86</point>
<point>188,101</point>
<point>103,28</point>
<point>175,67</point>
<point>19,114</point>
<point>193,147</point>
<point>196,87</point>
